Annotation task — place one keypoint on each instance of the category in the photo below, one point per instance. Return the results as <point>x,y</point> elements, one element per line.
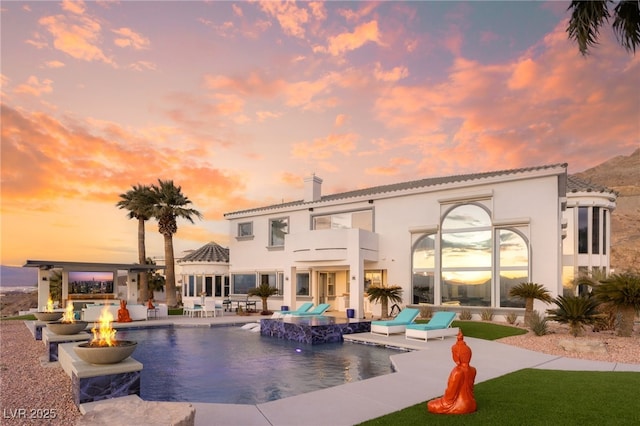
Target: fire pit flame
<point>104,335</point>
<point>49,305</point>
<point>69,316</point>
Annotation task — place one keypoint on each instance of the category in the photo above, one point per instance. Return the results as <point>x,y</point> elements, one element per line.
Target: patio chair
<point>438,326</point>
<point>318,310</point>
<point>396,325</point>
<point>190,309</point>
<point>211,306</point>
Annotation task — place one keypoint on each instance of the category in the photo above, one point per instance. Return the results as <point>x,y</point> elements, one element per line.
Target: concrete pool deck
<point>420,375</point>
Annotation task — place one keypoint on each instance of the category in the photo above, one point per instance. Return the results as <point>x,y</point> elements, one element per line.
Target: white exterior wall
<point>530,199</point>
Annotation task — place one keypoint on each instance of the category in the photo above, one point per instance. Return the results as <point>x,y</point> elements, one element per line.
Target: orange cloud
<point>76,35</point>
<point>35,87</point>
<point>290,17</point>
<point>351,41</point>
<point>324,148</point>
<point>129,38</point>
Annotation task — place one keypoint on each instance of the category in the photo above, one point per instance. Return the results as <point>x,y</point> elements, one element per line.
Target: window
<point>513,265</point>
<point>208,285</point>
<point>583,230</point>
<point>302,284</point>
<point>595,231</point>
<point>278,228</point>
<point>269,279</point>
<point>243,282</point>
<point>362,219</point>
<point>373,277</point>
<point>245,229</point>
<point>604,231</point>
<point>423,263</point>
<point>466,256</point>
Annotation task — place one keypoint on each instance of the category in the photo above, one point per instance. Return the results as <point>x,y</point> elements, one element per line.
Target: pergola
<point>46,266</point>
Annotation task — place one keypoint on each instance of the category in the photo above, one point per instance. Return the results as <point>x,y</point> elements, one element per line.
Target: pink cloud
<point>324,148</point>
<point>361,35</point>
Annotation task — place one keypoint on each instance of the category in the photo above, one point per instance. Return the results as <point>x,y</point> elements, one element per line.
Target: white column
<point>289,288</point>
<point>43,289</point>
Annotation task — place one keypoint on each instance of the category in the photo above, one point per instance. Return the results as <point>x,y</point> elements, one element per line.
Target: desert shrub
<point>486,314</point>
<point>465,315</point>
<point>426,312</point>
<point>511,317</point>
<point>538,324</point>
<point>577,311</point>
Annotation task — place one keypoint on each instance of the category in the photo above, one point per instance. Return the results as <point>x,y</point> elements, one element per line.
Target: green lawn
<point>540,397</point>
<point>535,397</point>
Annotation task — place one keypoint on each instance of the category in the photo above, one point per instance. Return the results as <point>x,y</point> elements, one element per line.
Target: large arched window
<point>424,266</point>
<point>467,252</point>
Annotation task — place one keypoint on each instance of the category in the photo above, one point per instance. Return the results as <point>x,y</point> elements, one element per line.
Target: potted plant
<point>383,295</point>
<point>263,291</point>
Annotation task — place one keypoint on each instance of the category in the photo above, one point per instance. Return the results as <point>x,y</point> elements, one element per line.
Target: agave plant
<point>383,295</point>
<point>623,292</point>
<point>530,292</point>
<point>577,311</point>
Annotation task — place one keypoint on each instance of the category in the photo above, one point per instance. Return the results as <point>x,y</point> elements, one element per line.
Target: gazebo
<point>89,281</point>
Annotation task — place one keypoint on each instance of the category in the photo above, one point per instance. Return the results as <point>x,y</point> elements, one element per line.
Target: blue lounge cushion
<point>439,321</point>
<point>406,316</point>
<point>318,310</point>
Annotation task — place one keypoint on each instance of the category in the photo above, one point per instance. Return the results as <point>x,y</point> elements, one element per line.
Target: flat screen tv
<point>90,282</point>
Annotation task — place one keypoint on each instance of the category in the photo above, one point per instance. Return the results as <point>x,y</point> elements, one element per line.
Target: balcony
<point>326,245</point>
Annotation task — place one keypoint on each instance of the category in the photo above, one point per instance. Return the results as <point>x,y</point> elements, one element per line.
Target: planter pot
<point>351,313</point>
<point>105,354</point>
<point>48,316</point>
<point>66,328</point>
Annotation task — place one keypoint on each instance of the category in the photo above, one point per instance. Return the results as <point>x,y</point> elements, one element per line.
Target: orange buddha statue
<point>150,304</point>
<point>123,312</point>
<point>458,397</point>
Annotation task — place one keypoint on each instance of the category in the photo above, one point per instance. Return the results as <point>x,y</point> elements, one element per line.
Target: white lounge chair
<point>438,326</point>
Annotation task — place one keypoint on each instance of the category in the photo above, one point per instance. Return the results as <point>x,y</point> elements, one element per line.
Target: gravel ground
<point>21,371</point>
<point>619,349</point>
<point>30,391</point>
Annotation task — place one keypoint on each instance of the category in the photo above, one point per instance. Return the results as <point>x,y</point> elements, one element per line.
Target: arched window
<point>513,265</point>
<point>467,253</point>
<point>423,264</point>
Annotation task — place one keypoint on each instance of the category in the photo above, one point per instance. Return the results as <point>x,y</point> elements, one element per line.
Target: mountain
<point>622,174</point>
<point>14,276</point>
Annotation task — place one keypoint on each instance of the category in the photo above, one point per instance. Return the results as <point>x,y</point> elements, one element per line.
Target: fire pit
<point>48,315</point>
<point>104,348</point>
<point>68,324</point>
<point>95,354</point>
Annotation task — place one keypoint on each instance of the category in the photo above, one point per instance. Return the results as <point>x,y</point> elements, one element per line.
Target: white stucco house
<point>205,270</point>
<point>458,241</point>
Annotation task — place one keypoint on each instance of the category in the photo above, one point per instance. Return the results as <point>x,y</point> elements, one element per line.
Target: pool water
<point>235,366</point>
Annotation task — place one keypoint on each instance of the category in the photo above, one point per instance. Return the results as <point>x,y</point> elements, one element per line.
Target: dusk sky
<point>237,102</point>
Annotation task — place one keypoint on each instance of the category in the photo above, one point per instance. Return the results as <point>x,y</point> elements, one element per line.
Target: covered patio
<point>101,284</point>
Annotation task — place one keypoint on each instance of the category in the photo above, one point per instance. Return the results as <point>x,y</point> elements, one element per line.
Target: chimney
<point>312,188</point>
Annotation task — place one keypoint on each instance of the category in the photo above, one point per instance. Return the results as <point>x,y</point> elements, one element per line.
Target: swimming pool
<point>235,366</point>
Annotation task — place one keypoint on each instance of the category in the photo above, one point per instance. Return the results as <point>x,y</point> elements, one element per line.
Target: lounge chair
<point>396,325</point>
<point>318,310</point>
<point>303,308</point>
<point>438,326</point>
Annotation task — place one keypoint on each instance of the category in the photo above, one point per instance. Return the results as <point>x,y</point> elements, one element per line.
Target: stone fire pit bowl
<point>48,316</point>
<point>105,354</point>
<point>67,328</point>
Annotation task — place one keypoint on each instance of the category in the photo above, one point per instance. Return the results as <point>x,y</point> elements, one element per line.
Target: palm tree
<point>170,204</point>
<point>139,201</point>
<point>588,16</point>
<point>530,292</point>
<point>263,291</point>
<point>623,292</point>
<point>55,287</point>
<point>577,311</point>
<point>384,295</point>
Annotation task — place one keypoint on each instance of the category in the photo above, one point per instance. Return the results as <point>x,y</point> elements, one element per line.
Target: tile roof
<point>575,184</point>
<point>211,252</point>
<point>403,186</point>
